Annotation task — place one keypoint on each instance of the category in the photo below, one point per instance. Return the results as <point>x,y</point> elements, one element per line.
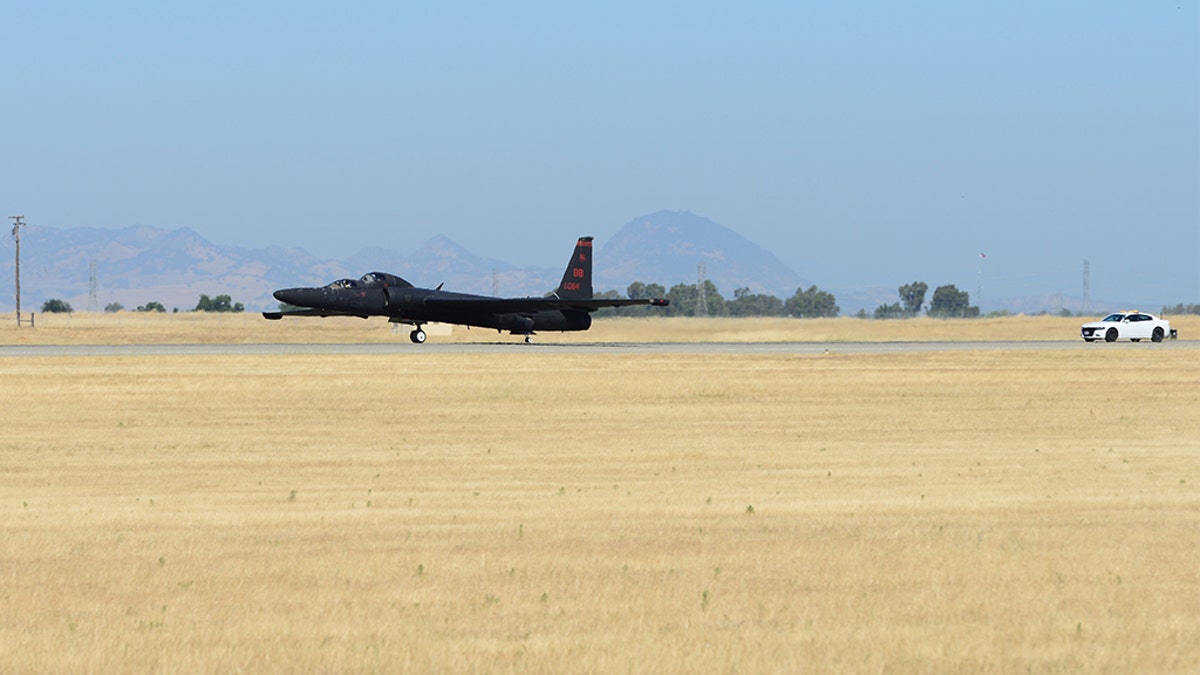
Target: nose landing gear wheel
<point>417,336</point>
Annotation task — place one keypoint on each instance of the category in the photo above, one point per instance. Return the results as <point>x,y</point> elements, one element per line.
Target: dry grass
<point>251,328</point>
<point>989,512</point>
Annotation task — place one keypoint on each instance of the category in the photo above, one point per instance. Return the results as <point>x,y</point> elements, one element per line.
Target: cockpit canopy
<point>372,280</point>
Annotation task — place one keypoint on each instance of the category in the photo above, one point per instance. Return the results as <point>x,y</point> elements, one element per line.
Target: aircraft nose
<point>299,297</point>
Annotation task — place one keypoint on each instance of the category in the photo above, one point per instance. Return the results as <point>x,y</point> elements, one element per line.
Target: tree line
<point>811,302</point>
<point>221,303</point>
<point>948,302</point>
<point>1181,309</point>
<point>686,300</point>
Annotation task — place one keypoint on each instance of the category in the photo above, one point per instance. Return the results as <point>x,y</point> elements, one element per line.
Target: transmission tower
<point>1087,287</point>
<point>979,282</point>
<point>701,292</point>
<point>92,287</point>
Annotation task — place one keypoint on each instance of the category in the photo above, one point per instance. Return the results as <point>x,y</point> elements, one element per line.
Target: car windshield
<point>1115,317</point>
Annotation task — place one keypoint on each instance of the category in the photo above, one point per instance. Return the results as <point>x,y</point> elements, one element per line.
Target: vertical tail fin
<point>577,280</point>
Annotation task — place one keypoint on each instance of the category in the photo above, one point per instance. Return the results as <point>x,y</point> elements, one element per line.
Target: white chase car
<point>1131,325</point>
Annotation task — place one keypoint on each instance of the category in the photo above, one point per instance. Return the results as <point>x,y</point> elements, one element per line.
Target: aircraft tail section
<point>577,279</point>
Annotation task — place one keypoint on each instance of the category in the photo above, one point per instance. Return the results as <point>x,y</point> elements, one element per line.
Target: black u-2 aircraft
<point>568,308</point>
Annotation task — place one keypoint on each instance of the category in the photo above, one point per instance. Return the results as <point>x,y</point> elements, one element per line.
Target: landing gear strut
<point>417,336</point>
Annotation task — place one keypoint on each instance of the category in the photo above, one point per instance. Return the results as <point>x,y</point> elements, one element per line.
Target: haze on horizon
<point>865,145</point>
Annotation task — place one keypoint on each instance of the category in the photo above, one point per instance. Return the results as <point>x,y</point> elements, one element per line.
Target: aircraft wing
<point>530,305</point>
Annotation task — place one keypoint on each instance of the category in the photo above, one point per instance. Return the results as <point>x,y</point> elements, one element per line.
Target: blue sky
<point>869,144</point>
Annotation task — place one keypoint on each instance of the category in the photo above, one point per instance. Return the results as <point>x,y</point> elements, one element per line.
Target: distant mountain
<point>442,261</point>
<point>667,248</point>
<point>139,264</point>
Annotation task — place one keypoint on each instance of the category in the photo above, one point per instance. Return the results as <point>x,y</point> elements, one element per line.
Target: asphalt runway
<point>548,347</point>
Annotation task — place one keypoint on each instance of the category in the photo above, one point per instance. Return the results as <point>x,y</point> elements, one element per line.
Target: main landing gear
<point>417,336</point>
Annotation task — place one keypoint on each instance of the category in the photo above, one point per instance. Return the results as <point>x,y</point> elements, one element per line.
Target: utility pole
<point>701,292</point>
<point>17,236</point>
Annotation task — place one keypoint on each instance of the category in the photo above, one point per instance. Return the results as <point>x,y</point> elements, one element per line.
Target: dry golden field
<point>600,512</point>
<point>251,328</point>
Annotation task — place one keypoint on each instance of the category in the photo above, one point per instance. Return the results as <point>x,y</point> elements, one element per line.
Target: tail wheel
<point>417,336</point>
<point>1157,335</point>
<point>1110,335</point>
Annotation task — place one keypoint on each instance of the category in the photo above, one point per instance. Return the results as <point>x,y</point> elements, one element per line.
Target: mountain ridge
<point>142,263</point>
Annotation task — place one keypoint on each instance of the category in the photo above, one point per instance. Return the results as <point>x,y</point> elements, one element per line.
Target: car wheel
<point>1157,335</point>
<point>1110,335</point>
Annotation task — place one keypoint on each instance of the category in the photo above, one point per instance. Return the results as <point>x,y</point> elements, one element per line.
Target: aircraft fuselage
<point>568,308</point>
<point>412,305</point>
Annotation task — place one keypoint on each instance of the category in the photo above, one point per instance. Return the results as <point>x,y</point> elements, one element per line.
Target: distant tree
<point>56,306</point>
<point>949,302</point>
<point>912,297</point>
<point>862,314</point>
<point>152,306</point>
<point>609,311</point>
<point>639,291</point>
<point>746,303</point>
<point>811,303</point>
<point>221,303</point>
<point>685,300</point>
<point>892,311</point>
<point>1181,309</point>
<point>114,307</point>
<point>715,303</point>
